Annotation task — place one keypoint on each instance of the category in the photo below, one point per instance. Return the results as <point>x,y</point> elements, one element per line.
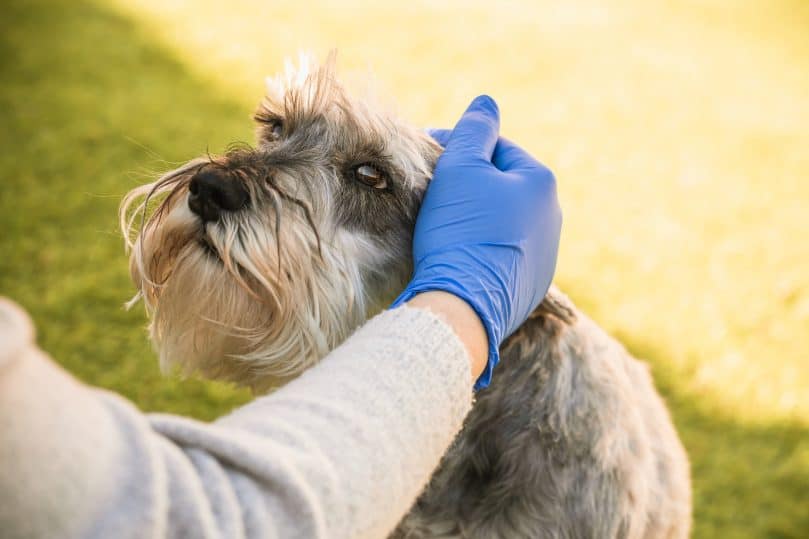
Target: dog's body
<point>572,441</point>
<point>254,265</point>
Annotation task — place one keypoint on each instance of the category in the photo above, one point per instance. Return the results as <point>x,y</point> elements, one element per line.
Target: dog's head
<point>254,264</point>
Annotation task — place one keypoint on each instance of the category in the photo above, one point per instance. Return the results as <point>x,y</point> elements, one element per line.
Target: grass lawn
<point>678,132</point>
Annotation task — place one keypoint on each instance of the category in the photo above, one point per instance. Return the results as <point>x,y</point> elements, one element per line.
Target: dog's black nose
<point>213,191</point>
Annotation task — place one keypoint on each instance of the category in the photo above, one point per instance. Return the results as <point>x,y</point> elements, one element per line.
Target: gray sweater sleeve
<point>341,452</point>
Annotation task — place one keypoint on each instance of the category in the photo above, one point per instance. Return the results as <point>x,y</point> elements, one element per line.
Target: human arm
<point>340,452</point>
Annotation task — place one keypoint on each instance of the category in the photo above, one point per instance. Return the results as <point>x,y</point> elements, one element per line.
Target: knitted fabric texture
<point>341,452</point>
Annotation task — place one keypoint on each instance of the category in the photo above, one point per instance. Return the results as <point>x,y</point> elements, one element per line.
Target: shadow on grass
<point>749,480</point>
<point>85,94</point>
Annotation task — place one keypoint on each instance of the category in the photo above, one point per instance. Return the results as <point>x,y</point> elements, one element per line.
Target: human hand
<point>488,228</point>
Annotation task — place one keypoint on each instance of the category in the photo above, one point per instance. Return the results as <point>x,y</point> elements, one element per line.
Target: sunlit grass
<point>678,135</point>
<point>678,132</point>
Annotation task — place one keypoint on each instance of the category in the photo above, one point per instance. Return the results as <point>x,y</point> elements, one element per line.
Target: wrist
<point>463,320</point>
<point>476,287</point>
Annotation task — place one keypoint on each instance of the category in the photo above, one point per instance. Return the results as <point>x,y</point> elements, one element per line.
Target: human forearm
<point>367,427</point>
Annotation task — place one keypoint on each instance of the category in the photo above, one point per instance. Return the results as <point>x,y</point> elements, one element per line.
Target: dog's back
<point>571,440</point>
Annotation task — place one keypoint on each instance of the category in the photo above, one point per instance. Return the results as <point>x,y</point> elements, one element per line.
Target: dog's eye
<point>275,125</point>
<point>276,128</point>
<point>371,176</point>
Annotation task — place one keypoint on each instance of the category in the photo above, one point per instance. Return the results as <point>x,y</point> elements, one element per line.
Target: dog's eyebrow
<point>357,145</point>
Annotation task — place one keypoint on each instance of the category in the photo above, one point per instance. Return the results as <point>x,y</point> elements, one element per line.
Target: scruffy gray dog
<point>255,264</point>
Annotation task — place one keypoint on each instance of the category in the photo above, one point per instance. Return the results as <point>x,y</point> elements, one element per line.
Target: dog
<point>253,265</point>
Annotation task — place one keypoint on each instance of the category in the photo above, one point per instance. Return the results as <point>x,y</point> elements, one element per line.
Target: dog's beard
<point>255,298</point>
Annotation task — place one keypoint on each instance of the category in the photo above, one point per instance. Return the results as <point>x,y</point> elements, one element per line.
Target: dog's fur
<point>571,440</point>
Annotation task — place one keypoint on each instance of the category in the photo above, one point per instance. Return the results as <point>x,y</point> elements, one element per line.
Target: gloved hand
<point>488,228</point>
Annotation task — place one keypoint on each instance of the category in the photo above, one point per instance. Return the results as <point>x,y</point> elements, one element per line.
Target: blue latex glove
<point>488,228</point>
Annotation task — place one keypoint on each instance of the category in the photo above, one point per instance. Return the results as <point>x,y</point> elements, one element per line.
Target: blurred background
<point>679,133</point>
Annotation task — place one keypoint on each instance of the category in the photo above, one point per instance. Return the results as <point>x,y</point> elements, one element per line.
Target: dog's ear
<point>297,74</point>
<point>275,89</point>
<point>432,142</point>
<point>294,75</point>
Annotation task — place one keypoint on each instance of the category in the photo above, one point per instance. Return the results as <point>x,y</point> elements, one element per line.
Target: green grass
<point>677,131</point>
<point>83,94</point>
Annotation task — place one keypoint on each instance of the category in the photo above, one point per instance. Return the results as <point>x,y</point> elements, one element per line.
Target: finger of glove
<point>475,134</point>
<point>441,136</point>
<point>508,157</point>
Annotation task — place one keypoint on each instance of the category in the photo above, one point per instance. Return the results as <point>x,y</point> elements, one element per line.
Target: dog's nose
<point>212,191</point>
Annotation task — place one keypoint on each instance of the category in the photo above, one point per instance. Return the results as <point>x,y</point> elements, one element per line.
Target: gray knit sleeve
<point>341,452</point>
